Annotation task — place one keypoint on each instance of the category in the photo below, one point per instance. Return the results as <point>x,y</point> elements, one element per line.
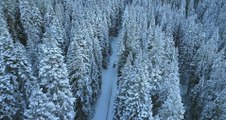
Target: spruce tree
<point>133,99</point>
<point>9,84</point>
<point>16,76</point>
<point>31,21</point>
<point>54,76</point>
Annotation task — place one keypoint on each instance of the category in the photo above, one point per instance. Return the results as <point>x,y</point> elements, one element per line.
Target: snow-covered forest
<point>112,59</point>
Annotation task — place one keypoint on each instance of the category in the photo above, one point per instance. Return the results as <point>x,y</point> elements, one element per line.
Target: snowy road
<point>105,104</point>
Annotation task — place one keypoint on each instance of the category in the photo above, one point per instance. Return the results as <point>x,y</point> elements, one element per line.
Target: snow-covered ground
<point>105,104</point>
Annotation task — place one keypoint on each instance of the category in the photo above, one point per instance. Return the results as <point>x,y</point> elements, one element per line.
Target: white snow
<point>105,104</point>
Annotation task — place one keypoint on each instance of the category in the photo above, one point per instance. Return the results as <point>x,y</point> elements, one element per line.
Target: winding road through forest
<point>105,104</point>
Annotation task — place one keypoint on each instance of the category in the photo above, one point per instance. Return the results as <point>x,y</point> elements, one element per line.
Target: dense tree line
<point>171,59</point>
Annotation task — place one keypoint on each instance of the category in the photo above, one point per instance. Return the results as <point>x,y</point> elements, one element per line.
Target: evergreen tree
<point>172,108</point>
<point>31,21</point>
<point>122,89</point>
<point>40,107</point>
<point>9,84</point>
<point>133,100</point>
<point>220,106</point>
<point>79,68</point>
<point>52,23</point>
<point>10,12</point>
<point>25,75</point>
<point>16,76</point>
<point>54,82</point>
<point>204,57</point>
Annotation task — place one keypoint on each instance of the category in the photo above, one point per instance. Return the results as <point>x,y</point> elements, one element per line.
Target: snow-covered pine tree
<point>204,57</point>
<point>212,101</point>
<point>12,15</point>
<point>10,12</point>
<point>52,23</point>
<point>96,49</point>
<point>220,107</point>
<point>79,62</point>
<point>193,37</point>
<point>40,107</point>
<point>144,107</point>
<point>78,67</point>
<point>122,85</point>
<point>15,76</point>
<point>62,30</point>
<point>25,74</point>
<point>132,34</point>
<point>9,84</point>
<point>210,13</point>
<point>53,76</point>
<point>31,21</point>
<point>53,98</point>
<point>48,12</point>
<point>123,51</point>
<point>133,29</point>
<point>96,67</point>
<point>98,30</point>
<point>133,100</point>
<point>156,64</point>
<point>95,61</point>
<point>172,108</point>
